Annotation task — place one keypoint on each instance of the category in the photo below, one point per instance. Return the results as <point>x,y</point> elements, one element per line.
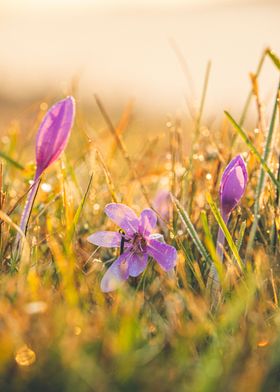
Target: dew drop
<point>25,356</point>
<point>77,330</point>
<point>35,307</point>
<point>43,106</point>
<point>200,157</point>
<point>263,343</point>
<point>5,140</point>
<point>46,187</point>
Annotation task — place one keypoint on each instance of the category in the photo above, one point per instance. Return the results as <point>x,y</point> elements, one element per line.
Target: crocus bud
<point>52,138</point>
<point>233,185</point>
<point>232,188</point>
<point>53,134</point>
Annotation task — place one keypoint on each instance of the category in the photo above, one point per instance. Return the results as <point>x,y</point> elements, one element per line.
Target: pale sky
<point>121,52</point>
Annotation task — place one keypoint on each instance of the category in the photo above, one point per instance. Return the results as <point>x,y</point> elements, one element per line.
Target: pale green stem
<point>27,213</point>
<point>219,249</point>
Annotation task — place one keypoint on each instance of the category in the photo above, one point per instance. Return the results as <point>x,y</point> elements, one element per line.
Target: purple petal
<point>162,203</point>
<point>123,216</point>
<point>108,239</point>
<point>164,254</point>
<point>54,133</point>
<point>148,221</point>
<point>116,274</point>
<point>137,263</point>
<point>233,184</point>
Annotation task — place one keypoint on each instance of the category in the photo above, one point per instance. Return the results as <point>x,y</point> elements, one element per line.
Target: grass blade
<point>253,149</point>
<point>225,230</point>
<point>274,58</point>
<point>250,95</point>
<point>190,228</point>
<point>78,212</point>
<point>261,180</point>
<point>241,235</point>
<point>11,161</point>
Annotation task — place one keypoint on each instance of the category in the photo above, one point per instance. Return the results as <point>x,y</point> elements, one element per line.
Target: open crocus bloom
<point>233,185</point>
<point>138,244</point>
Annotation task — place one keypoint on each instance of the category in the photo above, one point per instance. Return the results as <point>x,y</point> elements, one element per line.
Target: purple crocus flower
<point>162,203</point>
<point>52,138</point>
<point>54,133</point>
<point>233,184</point>
<point>138,244</point>
<point>232,188</point>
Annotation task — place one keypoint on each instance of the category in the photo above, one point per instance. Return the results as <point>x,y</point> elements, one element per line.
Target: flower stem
<point>221,238</point>
<point>27,212</point>
<point>213,282</point>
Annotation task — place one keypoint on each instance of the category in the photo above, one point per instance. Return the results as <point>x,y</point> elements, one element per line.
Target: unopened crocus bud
<point>233,185</point>
<point>51,140</point>
<point>232,188</point>
<point>53,134</point>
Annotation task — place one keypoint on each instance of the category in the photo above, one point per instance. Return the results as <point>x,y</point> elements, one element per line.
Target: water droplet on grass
<point>77,330</point>
<point>46,187</point>
<point>25,356</point>
<point>44,106</point>
<point>35,307</point>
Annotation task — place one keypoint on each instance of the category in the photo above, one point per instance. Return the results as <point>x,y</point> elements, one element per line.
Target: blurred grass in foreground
<point>58,332</point>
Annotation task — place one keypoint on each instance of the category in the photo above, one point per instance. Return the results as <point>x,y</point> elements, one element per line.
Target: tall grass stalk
<point>262,177</point>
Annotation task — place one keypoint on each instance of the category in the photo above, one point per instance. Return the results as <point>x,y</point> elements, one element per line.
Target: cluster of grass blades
<point>159,331</point>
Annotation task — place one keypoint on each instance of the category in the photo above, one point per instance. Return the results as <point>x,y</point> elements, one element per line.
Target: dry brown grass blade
<point>122,148</point>
<point>108,176</point>
<point>122,125</point>
<point>18,202</point>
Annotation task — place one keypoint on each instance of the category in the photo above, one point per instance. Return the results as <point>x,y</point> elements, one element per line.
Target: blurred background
<point>125,50</point>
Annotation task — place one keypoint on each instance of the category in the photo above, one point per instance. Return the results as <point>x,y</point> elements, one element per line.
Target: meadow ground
<point>160,331</point>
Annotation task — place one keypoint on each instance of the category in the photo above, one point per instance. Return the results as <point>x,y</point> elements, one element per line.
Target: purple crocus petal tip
<point>123,216</point>
<point>54,133</point>
<point>164,254</point>
<point>233,184</point>
<point>148,221</point>
<point>137,263</point>
<point>108,239</point>
<point>117,274</point>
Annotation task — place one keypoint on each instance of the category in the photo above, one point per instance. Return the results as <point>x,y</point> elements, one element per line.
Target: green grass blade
<point>78,212</point>
<point>11,161</point>
<point>190,228</point>
<point>274,58</point>
<point>225,230</point>
<point>261,180</point>
<point>253,149</point>
<point>241,235</point>
<point>211,246</point>
<point>216,274</point>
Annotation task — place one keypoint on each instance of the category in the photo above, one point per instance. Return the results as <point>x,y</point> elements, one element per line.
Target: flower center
<point>139,244</point>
